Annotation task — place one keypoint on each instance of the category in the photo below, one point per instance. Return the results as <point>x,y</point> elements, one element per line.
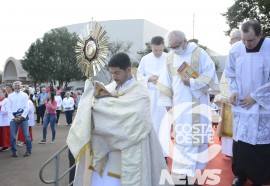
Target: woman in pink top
<point>50,117</point>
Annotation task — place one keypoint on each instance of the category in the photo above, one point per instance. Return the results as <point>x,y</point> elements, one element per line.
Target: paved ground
<point>24,171</point>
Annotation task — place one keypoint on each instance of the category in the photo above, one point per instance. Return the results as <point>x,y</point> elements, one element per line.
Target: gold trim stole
<point>195,64</point>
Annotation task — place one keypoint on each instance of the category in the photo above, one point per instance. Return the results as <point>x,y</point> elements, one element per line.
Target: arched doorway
<point>13,71</point>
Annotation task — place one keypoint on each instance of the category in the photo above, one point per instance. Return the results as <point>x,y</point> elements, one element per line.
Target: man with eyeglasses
<point>248,69</point>
<point>178,91</point>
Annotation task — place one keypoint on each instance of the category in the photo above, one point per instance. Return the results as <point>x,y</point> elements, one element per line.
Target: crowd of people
<point>18,106</point>
<point>123,136</point>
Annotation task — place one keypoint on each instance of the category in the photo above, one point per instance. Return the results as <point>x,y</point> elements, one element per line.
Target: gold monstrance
<point>92,50</point>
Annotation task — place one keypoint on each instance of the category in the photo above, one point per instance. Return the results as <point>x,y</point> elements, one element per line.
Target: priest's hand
<point>247,102</point>
<point>153,79</point>
<point>234,98</point>
<point>186,80</point>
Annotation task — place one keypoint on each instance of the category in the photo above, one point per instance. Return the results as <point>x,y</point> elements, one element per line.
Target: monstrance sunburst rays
<point>92,50</point>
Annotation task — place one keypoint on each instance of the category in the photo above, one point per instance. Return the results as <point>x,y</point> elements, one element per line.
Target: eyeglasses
<point>176,47</point>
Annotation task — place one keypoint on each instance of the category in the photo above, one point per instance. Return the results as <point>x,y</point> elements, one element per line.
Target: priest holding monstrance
<point>112,137</point>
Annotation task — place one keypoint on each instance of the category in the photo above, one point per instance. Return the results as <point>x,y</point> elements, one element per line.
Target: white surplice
<point>249,74</point>
<point>227,145</point>
<point>223,100</point>
<point>183,94</point>
<point>149,66</point>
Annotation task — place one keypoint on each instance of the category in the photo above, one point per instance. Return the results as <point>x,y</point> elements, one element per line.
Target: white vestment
<point>149,66</point>
<point>225,125</point>
<point>249,74</point>
<point>114,135</point>
<point>105,180</point>
<point>227,146</point>
<point>182,94</point>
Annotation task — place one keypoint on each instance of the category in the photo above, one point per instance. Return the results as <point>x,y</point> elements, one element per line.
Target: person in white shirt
<point>68,105</point>
<point>4,122</point>
<point>150,68</point>
<point>31,122</point>
<point>248,70</point>
<point>59,101</point>
<point>18,108</point>
<point>31,92</point>
<point>177,90</point>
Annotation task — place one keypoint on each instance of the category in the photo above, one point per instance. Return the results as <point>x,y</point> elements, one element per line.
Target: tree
<point>53,58</point>
<point>243,10</point>
<point>1,76</point>
<point>119,46</point>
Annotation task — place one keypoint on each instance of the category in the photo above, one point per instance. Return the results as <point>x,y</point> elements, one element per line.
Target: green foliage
<point>243,10</point>
<point>53,58</point>
<point>146,51</point>
<point>1,73</point>
<point>119,46</point>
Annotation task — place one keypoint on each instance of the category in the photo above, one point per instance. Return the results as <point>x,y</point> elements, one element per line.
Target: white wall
<point>137,31</point>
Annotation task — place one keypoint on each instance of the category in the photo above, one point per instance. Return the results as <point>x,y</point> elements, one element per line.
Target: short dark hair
<point>9,85</point>
<point>255,25</point>
<point>157,40</point>
<point>52,96</point>
<point>120,60</point>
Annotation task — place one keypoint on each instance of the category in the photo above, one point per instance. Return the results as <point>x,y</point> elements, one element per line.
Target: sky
<point>23,21</point>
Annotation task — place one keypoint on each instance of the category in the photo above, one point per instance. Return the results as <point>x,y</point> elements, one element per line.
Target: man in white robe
<point>248,68</point>
<point>112,139</point>
<point>222,100</point>
<point>177,90</point>
<point>150,68</point>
